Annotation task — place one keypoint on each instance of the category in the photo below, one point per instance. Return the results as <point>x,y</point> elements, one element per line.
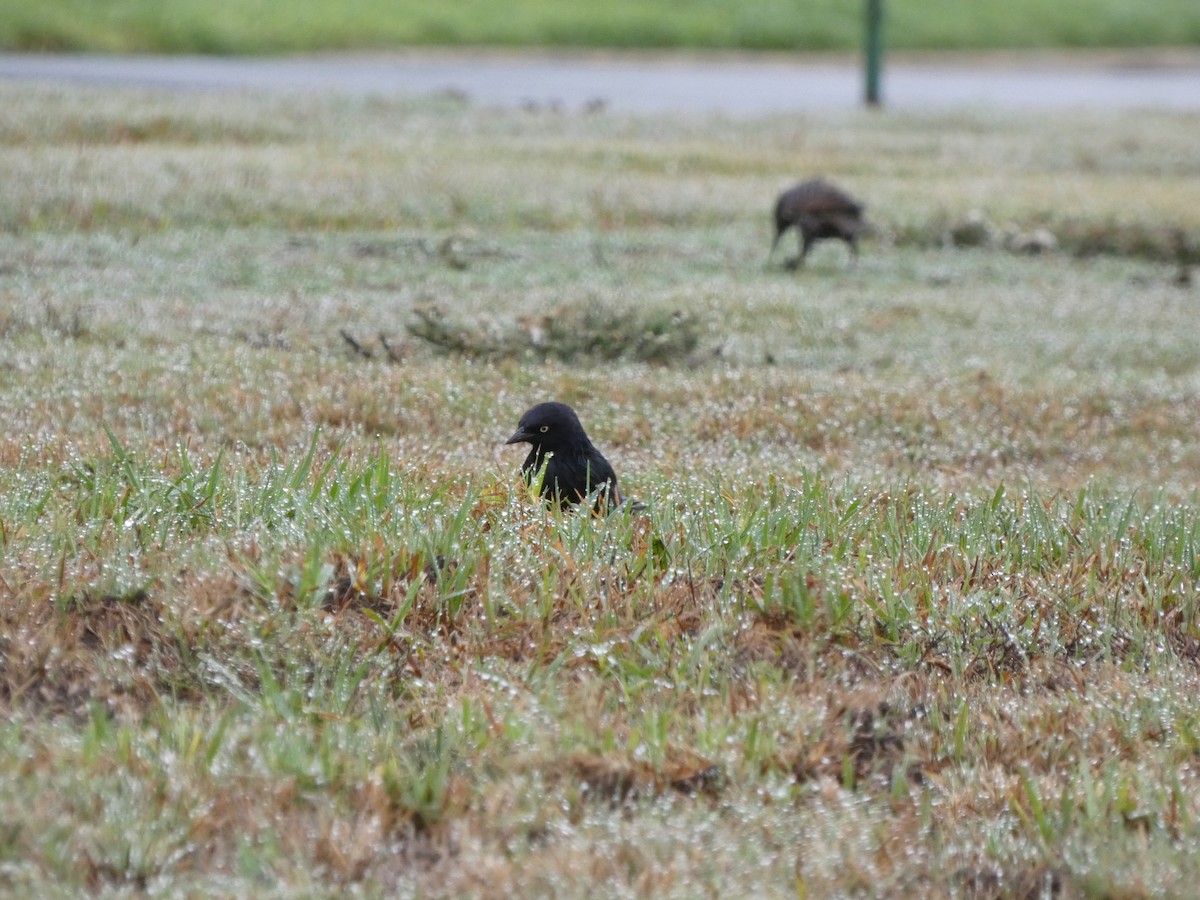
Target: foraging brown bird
<point>574,467</point>
<point>818,210</point>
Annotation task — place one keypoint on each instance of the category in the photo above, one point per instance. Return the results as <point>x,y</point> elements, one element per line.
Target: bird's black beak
<point>519,437</point>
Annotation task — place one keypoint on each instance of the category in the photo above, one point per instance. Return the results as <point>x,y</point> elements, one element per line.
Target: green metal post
<point>874,50</point>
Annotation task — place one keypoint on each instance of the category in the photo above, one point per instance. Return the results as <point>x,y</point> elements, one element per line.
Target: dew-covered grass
<point>911,607</point>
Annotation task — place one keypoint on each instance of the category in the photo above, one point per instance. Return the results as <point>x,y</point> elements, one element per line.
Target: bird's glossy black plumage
<point>575,468</point>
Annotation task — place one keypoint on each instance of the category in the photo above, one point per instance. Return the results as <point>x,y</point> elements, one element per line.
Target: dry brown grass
<point>912,608</point>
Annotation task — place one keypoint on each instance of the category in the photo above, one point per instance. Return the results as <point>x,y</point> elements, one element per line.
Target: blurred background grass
<point>259,26</point>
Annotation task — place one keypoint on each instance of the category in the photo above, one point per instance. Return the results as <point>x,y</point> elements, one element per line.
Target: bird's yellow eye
<point>545,428</point>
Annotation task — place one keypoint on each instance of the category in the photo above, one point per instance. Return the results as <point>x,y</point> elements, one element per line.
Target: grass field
<point>226,26</point>
<point>912,609</point>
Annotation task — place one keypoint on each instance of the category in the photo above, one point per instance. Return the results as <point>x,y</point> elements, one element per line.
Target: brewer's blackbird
<point>574,467</point>
<point>818,210</point>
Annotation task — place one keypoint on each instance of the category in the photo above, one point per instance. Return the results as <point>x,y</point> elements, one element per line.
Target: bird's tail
<point>631,506</point>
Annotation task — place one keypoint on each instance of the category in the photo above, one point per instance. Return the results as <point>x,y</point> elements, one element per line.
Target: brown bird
<point>818,210</point>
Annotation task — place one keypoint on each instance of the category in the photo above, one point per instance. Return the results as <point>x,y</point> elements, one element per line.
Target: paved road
<point>650,84</point>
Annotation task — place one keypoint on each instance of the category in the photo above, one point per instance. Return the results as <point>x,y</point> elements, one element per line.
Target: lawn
<point>912,607</point>
<point>258,26</point>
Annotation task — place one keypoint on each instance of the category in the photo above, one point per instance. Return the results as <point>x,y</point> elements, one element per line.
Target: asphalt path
<point>731,85</point>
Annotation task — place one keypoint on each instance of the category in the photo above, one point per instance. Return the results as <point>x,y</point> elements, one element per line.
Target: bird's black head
<point>548,426</point>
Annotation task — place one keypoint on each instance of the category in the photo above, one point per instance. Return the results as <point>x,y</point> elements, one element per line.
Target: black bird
<point>819,210</point>
<point>575,468</point>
